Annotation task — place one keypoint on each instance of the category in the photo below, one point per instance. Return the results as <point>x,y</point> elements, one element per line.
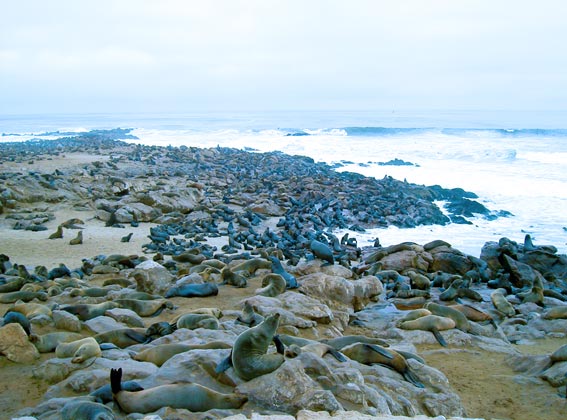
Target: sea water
<point>513,161</point>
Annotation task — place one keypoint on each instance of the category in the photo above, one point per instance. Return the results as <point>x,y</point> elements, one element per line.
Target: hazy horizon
<point>178,56</point>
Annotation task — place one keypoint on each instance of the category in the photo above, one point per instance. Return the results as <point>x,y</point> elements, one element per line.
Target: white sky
<point>184,55</point>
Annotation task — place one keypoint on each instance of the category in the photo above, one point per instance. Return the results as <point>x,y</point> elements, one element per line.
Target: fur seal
<point>461,321</point>
<point>272,285</point>
<point>474,314</point>
<point>277,268</point>
<point>249,353</point>
<point>252,265</point>
<point>47,343</point>
<point>145,308</point>
<point>320,349</point>
<point>86,410</point>
<point>433,323</point>
<point>346,340</point>
<point>11,284</point>
<point>216,312</point>
<point>419,281</point>
<point>322,251</point>
<point>85,311</point>
<point>189,257</point>
<point>12,317</point>
<point>193,397</point>
<point>58,234</point>
<point>193,290</point>
<point>558,312</point>
<point>78,240</point>
<point>233,278</point>
<point>158,355</point>
<point>160,329</point>
<point>194,321</point>
<point>79,350</point>
<point>104,393</point>
<point>498,298</point>
<point>416,313</point>
<point>403,304</point>
<point>122,337</point>
<point>12,297</point>
<point>370,354</point>
<point>249,316</point>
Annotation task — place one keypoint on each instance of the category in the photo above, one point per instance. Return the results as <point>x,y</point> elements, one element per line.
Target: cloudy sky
<point>187,55</point>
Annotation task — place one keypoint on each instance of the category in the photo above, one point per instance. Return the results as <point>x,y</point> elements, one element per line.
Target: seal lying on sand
<point>193,397</point>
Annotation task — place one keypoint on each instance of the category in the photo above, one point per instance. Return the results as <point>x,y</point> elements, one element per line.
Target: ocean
<point>513,161</point>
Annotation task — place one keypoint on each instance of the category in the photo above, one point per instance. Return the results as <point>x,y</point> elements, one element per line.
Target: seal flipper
<point>136,336</point>
<point>439,337</point>
<point>380,350</point>
<point>412,378</point>
<point>280,348</point>
<point>225,364</point>
<point>337,355</point>
<point>116,380</point>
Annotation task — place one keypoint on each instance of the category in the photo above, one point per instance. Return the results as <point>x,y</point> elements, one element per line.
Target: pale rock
<point>556,375</point>
<point>101,324</point>
<point>337,271</point>
<point>15,345</point>
<point>152,277</point>
<point>126,316</point>
<point>404,260</point>
<point>66,321</point>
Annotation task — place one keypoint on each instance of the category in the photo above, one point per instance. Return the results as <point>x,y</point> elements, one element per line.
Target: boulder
<point>15,345</point>
<point>152,277</point>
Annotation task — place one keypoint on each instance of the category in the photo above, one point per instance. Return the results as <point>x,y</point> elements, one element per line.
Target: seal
<point>216,312</point>
<point>11,284</point>
<point>104,393</point>
<point>77,240</point>
<point>346,340</point>
<point>90,292</point>
<point>122,337</point>
<point>558,312</point>
<point>249,316</point>
<point>233,278</point>
<point>194,321</point>
<point>47,343</point>
<point>320,349</point>
<point>461,321</point>
<point>145,308</point>
<point>85,311</point>
<point>193,290</point>
<point>370,354</point>
<point>12,297</point>
<point>58,234</point>
<point>498,298</point>
<point>86,410</point>
<point>252,265</point>
<point>433,323</point>
<point>277,268</point>
<point>12,317</point>
<point>160,329</point>
<point>404,304</point>
<point>79,350</point>
<point>419,281</point>
<point>322,251</point>
<point>249,353</point>
<point>193,397</point>
<point>272,285</point>
<point>474,314</point>
<point>160,354</point>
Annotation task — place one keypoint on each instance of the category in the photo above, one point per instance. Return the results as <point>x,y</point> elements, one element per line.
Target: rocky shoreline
<point>255,231</point>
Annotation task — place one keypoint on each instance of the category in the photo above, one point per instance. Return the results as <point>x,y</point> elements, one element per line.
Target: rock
<point>403,260</point>
<point>306,307</point>
<point>126,316</point>
<point>66,321</point>
<point>152,277</point>
<point>556,375</point>
<point>101,324</point>
<point>449,260</point>
<point>521,275</point>
<point>15,345</point>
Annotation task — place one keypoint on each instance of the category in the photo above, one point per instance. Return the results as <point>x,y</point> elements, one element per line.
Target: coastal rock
<point>406,259</point>
<point>126,316</point>
<point>267,305</point>
<point>152,277</point>
<point>14,344</point>
<point>556,375</point>
<point>449,260</point>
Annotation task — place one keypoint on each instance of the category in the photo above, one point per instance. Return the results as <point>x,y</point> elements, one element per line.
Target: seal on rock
<point>193,397</point>
<point>370,354</point>
<point>322,251</point>
<point>145,308</point>
<point>158,355</point>
<point>79,350</point>
<point>47,343</point>
<point>12,317</point>
<point>85,311</point>
<point>320,349</point>
<point>272,285</point>
<point>86,410</point>
<point>346,340</point>
<point>433,323</point>
<point>277,268</point>
<point>122,337</point>
<point>194,321</point>
<point>249,353</point>
<point>498,298</point>
<point>249,316</point>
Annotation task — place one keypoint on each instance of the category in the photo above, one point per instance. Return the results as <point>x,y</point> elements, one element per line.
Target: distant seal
<point>158,355</point>
<point>419,281</point>
<point>498,298</point>
<point>194,321</point>
<point>433,323</point>
<point>249,316</point>
<point>145,308</point>
<point>12,297</point>
<point>346,340</point>
<point>12,317</point>
<point>189,257</point>
<point>79,350</point>
<point>11,284</point>
<point>409,303</point>
<point>320,349</point>
<point>558,312</point>
<point>58,234</point>
<point>233,278</point>
<point>249,353</point>
<point>193,290</point>
<point>78,240</point>
<point>47,343</point>
<point>122,337</point>
<point>370,354</point>
<point>85,311</point>
<point>322,251</point>
<point>272,285</point>
<point>86,410</point>
<point>252,265</point>
<point>216,312</point>
<point>90,292</point>
<point>193,397</point>
<point>277,268</point>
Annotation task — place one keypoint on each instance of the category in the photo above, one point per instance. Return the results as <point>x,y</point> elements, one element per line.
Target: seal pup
<point>193,397</point>
<point>127,237</point>
<point>79,350</point>
<point>433,323</point>
<point>249,316</point>
<point>58,234</point>
<point>86,410</point>
<point>320,349</point>
<point>277,268</point>
<point>194,321</point>
<point>47,343</point>
<point>233,278</point>
<point>322,251</point>
<point>370,354</point>
<point>78,240</point>
<point>272,285</point>
<point>249,353</point>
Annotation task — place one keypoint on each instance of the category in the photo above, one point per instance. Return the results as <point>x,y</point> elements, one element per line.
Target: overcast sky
<point>184,55</point>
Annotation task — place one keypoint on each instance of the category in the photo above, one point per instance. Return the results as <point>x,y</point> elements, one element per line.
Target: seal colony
<point>243,300</point>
